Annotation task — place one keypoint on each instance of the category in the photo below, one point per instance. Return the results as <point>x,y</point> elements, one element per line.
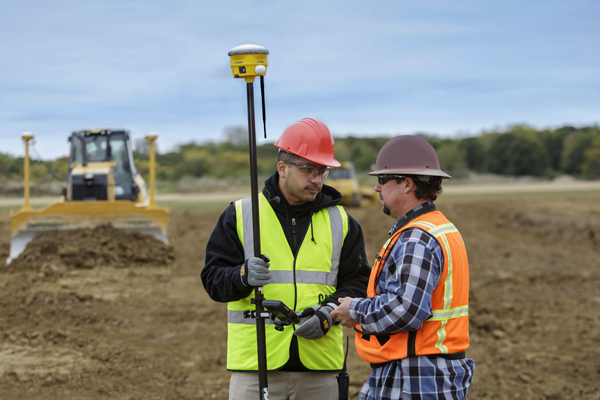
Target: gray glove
<point>255,271</point>
<point>318,325</point>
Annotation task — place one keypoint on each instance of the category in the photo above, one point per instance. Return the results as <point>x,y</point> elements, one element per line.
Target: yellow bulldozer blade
<point>65,216</point>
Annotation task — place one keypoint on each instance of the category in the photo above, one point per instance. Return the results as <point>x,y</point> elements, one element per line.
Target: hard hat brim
<point>408,171</point>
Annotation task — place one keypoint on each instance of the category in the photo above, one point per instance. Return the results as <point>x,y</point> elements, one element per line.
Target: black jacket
<point>225,254</point>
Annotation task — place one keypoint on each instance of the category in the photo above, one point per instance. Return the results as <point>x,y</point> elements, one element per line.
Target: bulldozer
<point>102,187</point>
<point>353,195</point>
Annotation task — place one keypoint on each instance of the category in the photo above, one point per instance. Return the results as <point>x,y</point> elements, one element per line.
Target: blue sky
<point>445,67</point>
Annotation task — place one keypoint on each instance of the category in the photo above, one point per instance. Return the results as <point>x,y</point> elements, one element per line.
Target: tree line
<point>518,150</point>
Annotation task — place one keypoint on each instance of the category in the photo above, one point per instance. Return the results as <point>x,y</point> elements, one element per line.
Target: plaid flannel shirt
<point>402,304</point>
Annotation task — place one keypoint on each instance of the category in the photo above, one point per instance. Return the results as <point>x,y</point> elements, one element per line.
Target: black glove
<point>318,325</point>
<point>255,271</point>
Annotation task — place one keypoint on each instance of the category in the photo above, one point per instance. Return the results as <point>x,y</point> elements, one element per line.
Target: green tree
<point>520,150</point>
<point>5,163</point>
<point>435,141</point>
<point>11,168</point>
<point>474,153</point>
<point>267,159</point>
<point>38,173</point>
<point>452,158</point>
<point>554,142</point>
<point>60,168</point>
<point>518,154</point>
<point>169,159</point>
<point>591,165</point>
<point>230,164</point>
<point>576,144</point>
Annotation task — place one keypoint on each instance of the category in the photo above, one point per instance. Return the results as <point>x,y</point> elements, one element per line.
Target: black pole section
<point>261,341</point>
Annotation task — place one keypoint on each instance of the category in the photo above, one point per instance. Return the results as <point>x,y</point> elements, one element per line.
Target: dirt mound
<point>88,248</point>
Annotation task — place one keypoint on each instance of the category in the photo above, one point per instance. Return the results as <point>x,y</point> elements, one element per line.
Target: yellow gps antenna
<point>249,61</point>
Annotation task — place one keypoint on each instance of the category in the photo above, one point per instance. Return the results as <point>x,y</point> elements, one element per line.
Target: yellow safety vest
<point>300,281</point>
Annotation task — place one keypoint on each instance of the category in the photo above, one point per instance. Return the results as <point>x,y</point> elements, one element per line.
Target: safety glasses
<point>311,170</point>
<point>383,179</point>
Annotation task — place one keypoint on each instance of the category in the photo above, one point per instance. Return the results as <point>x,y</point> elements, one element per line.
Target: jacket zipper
<point>295,257</point>
<point>294,267</point>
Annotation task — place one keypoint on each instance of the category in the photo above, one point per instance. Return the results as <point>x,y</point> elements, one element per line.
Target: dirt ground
<point>104,315</point>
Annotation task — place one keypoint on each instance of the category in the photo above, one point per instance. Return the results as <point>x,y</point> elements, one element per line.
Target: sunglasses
<point>383,179</point>
<point>311,169</point>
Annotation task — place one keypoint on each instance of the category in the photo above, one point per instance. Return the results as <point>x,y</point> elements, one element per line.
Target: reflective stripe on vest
<point>447,330</point>
<point>300,281</point>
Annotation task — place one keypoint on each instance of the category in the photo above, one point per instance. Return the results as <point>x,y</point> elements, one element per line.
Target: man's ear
<point>409,185</point>
<point>281,169</point>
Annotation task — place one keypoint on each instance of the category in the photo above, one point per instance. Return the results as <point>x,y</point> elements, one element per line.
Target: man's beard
<point>386,210</point>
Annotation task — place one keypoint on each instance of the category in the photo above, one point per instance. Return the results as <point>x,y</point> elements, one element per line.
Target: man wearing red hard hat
<point>315,255</point>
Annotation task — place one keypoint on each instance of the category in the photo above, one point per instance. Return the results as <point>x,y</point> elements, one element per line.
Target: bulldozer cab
<point>97,152</point>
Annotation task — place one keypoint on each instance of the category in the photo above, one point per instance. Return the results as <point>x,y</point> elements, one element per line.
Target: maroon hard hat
<point>408,155</point>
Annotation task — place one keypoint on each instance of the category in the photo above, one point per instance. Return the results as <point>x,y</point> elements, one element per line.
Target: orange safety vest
<point>447,331</point>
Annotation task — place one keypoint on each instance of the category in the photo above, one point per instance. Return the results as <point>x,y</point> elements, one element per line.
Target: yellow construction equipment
<point>353,195</point>
<point>103,186</point>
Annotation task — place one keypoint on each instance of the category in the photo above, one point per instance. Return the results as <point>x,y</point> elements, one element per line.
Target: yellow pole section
<point>26,203</point>
<point>152,165</point>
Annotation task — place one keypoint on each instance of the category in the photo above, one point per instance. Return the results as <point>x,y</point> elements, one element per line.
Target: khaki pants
<point>285,386</point>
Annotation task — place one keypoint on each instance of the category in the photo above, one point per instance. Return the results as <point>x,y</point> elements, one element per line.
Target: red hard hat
<point>408,155</point>
<point>310,139</point>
